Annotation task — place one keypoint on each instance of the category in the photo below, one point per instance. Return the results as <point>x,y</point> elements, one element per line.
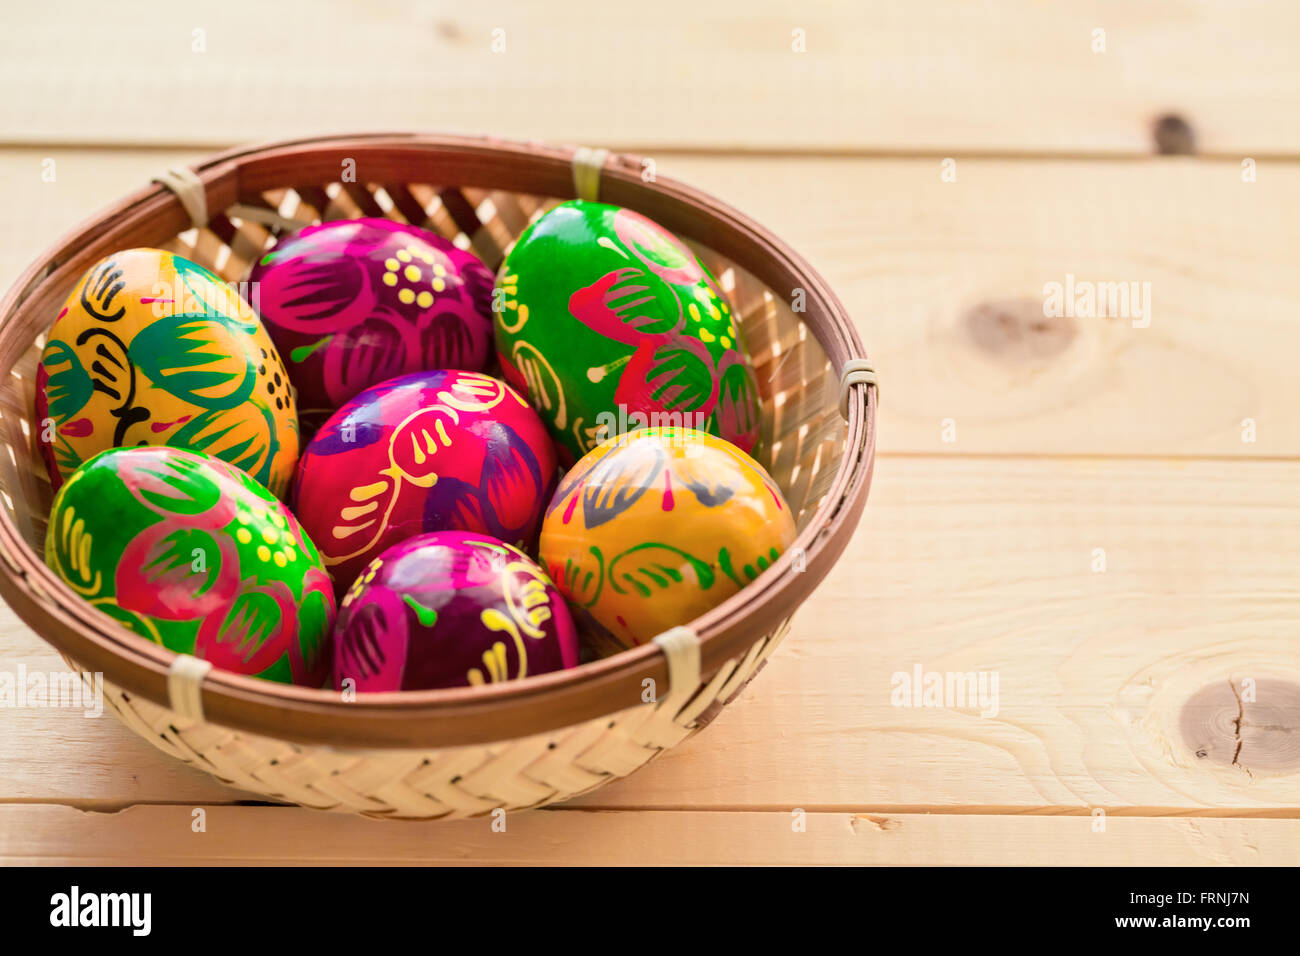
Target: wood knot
<point>1251,724</point>
<point>871,823</point>
<point>1173,135</point>
<point>1016,330</point>
<point>448,30</point>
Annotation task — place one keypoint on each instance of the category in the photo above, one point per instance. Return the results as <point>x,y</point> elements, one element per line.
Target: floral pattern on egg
<point>607,321</point>
<point>193,554</point>
<point>354,302</point>
<point>451,609</point>
<point>153,349</point>
<point>655,527</point>
<point>430,451</point>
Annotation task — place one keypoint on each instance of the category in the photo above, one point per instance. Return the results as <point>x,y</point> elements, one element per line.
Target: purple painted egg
<point>434,451</point>
<point>451,609</point>
<point>352,303</point>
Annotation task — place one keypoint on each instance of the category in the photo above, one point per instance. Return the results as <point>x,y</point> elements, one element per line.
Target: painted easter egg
<point>193,554</point>
<point>653,528</point>
<point>355,302</point>
<point>451,609</point>
<point>608,322</point>
<point>152,349</point>
<point>432,451</point>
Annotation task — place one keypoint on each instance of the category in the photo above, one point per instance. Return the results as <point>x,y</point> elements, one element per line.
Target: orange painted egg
<point>653,528</point>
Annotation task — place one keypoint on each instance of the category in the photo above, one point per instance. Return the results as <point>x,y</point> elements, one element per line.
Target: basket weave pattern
<point>458,782</point>
<point>805,448</point>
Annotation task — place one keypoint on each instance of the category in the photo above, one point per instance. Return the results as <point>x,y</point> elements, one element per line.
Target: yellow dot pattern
<point>409,266</point>
<point>709,306</point>
<point>276,542</point>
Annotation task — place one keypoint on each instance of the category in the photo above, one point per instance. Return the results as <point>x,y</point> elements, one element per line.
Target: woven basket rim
<point>452,716</point>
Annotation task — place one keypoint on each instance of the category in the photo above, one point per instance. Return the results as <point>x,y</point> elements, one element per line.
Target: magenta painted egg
<point>433,451</point>
<point>451,609</point>
<point>352,303</point>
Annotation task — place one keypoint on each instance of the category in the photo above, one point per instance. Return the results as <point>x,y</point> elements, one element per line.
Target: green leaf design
<point>254,617</point>
<point>218,300</point>
<point>750,571</point>
<point>724,562</point>
<point>651,566</point>
<point>69,387</point>
<point>174,560</point>
<point>248,443</point>
<point>194,492</point>
<point>582,582</point>
<point>738,399</point>
<point>174,351</point>
<point>66,457</point>
<point>680,378</point>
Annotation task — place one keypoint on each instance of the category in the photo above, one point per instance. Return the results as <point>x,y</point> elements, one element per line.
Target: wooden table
<point>1103,512</point>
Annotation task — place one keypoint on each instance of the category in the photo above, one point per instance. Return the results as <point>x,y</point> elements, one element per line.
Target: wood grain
<point>1110,682</point>
<point>948,76</point>
<point>1163,691</point>
<point>945,281</point>
<point>165,836</point>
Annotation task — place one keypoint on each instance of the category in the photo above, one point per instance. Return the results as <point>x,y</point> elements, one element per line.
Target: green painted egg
<point>194,554</point>
<point>608,323</point>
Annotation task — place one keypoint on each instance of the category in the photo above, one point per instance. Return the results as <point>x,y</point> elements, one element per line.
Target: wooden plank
<point>946,280</point>
<point>53,835</point>
<point>1117,689</point>
<point>945,76</point>
<point>946,283</point>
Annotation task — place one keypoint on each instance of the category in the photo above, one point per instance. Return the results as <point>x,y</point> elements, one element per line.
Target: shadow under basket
<point>459,751</point>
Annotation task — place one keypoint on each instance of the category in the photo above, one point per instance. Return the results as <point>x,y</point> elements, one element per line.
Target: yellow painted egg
<point>153,349</point>
<point>655,527</point>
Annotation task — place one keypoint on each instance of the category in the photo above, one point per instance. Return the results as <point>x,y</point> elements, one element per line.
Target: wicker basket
<point>460,751</point>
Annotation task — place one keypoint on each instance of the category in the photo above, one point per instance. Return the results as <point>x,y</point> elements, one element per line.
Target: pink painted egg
<point>352,303</point>
<point>433,451</point>
<point>451,609</point>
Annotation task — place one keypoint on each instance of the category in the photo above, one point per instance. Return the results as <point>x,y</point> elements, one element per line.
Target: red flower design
<point>260,626</point>
<point>177,573</point>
